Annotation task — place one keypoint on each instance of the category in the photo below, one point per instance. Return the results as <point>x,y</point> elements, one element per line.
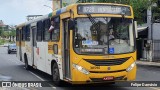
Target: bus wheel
<point>9,52</point>
<point>55,75</point>
<point>26,63</point>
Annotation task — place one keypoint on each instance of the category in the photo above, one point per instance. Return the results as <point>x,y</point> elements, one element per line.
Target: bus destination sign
<point>104,9</point>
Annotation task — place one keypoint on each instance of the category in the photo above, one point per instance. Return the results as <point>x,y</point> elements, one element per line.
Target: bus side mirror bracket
<point>135,28</point>
<point>71,24</point>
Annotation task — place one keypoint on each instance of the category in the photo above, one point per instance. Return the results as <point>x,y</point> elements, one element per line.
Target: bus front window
<point>103,36</point>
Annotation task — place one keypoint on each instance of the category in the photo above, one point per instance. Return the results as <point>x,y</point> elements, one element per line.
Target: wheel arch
<point>59,68</point>
<point>52,63</point>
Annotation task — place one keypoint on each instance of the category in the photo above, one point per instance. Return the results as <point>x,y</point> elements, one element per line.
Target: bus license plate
<point>108,78</point>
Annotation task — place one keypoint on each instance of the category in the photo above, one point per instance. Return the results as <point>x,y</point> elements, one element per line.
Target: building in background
<point>141,42</point>
<point>148,42</point>
<point>3,26</point>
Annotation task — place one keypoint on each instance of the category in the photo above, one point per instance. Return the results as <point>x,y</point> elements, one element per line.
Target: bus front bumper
<point>99,77</point>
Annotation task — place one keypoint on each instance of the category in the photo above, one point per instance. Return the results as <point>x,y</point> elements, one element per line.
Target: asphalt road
<point>11,69</point>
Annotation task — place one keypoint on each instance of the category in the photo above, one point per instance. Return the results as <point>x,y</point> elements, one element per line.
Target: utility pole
<point>48,7</point>
<point>149,22</point>
<point>150,32</point>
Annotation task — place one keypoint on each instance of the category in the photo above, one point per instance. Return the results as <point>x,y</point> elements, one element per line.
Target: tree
<point>1,31</point>
<point>156,13</point>
<point>5,34</point>
<point>13,34</point>
<point>158,3</point>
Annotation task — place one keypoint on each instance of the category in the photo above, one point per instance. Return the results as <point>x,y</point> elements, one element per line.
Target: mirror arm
<point>135,28</point>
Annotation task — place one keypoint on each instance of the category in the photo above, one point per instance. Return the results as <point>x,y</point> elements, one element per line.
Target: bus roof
<point>35,20</point>
<point>64,9</point>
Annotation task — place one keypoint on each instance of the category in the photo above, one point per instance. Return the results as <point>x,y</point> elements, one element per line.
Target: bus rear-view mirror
<point>135,28</point>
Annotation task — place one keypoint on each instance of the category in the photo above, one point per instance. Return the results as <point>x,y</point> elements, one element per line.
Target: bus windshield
<point>103,35</point>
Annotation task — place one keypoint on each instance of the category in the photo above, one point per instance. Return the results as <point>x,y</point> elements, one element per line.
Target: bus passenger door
<point>66,48</point>
<point>34,46</point>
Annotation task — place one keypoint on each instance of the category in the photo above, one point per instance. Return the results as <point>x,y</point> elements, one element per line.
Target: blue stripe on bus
<point>58,12</point>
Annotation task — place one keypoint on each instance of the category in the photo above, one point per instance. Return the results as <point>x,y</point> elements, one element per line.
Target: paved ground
<point>12,69</point>
<point>147,63</point>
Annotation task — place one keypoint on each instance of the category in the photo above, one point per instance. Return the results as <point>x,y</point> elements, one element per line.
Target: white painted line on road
<point>154,88</point>
<point>13,88</point>
<point>41,79</point>
<point>37,76</point>
<point>52,86</point>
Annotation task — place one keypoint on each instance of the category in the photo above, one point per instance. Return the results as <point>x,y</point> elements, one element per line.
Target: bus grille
<point>107,71</point>
<point>107,62</point>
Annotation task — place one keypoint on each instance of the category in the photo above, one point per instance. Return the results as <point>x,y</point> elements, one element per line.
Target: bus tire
<point>112,83</point>
<point>55,74</point>
<point>26,62</point>
<point>9,52</point>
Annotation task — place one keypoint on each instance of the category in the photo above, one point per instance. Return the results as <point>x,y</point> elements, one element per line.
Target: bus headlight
<point>81,69</point>
<point>131,67</point>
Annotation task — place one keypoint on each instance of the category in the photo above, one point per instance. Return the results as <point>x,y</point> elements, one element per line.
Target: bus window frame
<point>134,36</point>
<point>23,33</point>
<point>27,33</point>
<point>39,31</point>
<point>44,31</point>
<point>17,34</point>
<point>56,27</point>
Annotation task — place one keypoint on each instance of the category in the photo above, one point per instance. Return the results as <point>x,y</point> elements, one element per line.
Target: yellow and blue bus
<point>90,43</point>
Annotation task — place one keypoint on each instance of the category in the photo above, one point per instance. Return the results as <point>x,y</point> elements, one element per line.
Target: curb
<point>148,63</point>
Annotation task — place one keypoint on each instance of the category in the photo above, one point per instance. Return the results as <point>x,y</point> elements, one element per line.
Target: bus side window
<point>46,34</point>
<point>27,33</point>
<point>55,35</point>
<point>23,33</point>
<point>17,34</point>
<point>39,31</point>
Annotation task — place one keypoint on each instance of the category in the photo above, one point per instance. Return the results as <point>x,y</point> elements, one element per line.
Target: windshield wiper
<point>93,21</point>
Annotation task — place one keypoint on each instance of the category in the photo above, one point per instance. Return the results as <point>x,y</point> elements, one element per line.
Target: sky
<point>14,12</point>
